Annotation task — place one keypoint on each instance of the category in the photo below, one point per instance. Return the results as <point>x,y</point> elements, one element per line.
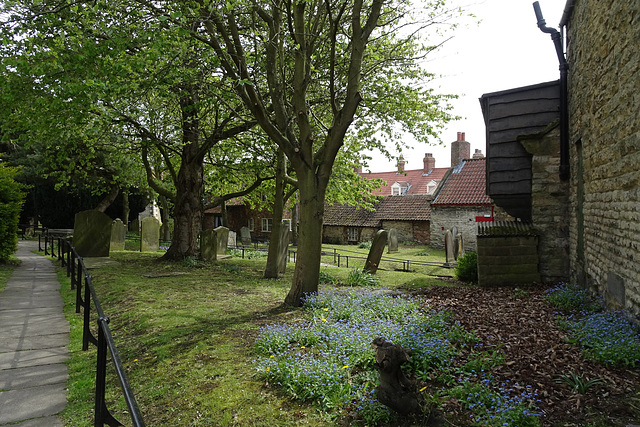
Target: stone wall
<point>410,231</point>
<point>604,94</point>
<point>463,217</point>
<point>549,204</point>
<point>507,260</point>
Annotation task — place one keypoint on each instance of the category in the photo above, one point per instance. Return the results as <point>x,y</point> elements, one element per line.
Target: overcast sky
<point>504,51</point>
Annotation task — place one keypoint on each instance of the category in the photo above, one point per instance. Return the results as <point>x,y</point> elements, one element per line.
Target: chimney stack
<point>460,149</point>
<point>401,163</point>
<point>478,154</point>
<point>429,163</point>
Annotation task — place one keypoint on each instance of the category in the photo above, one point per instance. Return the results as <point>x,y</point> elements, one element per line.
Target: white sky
<point>504,51</point>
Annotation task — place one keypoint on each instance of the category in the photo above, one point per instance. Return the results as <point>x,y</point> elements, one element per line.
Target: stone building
<point>580,181</point>
<point>603,54</point>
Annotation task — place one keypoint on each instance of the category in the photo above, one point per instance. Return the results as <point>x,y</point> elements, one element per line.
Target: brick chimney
<point>478,154</point>
<point>429,163</point>
<point>460,149</point>
<point>401,163</point>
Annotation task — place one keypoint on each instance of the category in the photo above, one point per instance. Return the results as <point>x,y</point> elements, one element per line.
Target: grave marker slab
<point>448,247</point>
<point>375,253</point>
<point>92,233</point>
<point>393,241</point>
<point>118,235</point>
<point>245,236</point>
<point>149,234</point>
<point>222,238</point>
<point>208,245</point>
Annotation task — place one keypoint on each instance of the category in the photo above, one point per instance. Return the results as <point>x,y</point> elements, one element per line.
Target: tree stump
<point>395,390</point>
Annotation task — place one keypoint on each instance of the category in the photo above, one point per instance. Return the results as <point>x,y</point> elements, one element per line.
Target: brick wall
<point>462,217</point>
<point>604,88</point>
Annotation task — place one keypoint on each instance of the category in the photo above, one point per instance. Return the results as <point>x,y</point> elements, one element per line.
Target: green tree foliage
<point>11,199</point>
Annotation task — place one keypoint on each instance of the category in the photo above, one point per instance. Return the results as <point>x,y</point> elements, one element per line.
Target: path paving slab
<point>32,402</point>
<point>33,376</point>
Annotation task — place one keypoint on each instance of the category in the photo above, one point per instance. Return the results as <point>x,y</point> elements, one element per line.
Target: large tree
<point>303,69</point>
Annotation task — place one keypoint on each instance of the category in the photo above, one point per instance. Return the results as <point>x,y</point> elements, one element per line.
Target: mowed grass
<point>5,272</point>
<point>185,332</point>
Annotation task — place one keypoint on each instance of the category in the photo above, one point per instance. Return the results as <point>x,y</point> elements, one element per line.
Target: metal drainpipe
<point>564,107</point>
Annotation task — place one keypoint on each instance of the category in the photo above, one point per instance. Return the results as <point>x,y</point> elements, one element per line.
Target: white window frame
<point>267,225</point>
<point>397,189</point>
<point>353,234</point>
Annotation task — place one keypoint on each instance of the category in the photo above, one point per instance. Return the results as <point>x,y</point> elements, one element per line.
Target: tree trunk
<point>125,208</point>
<point>165,232</point>
<point>305,275</point>
<point>294,223</point>
<point>108,199</point>
<point>272,268</point>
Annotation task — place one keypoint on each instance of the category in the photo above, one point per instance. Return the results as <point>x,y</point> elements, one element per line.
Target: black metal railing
<point>81,280</point>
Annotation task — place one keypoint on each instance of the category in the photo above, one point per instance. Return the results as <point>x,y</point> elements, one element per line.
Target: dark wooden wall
<point>507,115</point>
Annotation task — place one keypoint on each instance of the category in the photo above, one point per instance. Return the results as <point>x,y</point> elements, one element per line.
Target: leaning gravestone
<point>222,238</point>
<point>393,241</point>
<point>149,234</point>
<point>245,236</point>
<point>92,234</point>
<point>284,248</point>
<point>375,253</point>
<point>448,247</point>
<point>118,235</point>
<point>231,243</point>
<point>208,245</point>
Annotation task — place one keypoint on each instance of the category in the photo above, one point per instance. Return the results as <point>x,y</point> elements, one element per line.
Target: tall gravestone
<point>92,234</point>
<point>284,249</point>
<point>222,238</point>
<point>375,253</point>
<point>149,234</point>
<point>459,246</point>
<point>231,243</point>
<point>208,245</point>
<point>448,247</point>
<point>118,235</point>
<point>393,241</point>
<point>245,236</point>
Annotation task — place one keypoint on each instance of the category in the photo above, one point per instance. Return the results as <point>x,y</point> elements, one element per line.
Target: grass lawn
<point>185,332</point>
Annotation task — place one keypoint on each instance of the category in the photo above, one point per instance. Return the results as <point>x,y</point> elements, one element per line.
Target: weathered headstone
<point>393,241</point>
<point>459,247</point>
<point>149,234</point>
<point>375,253</point>
<point>208,245</point>
<point>448,247</point>
<point>284,249</point>
<point>231,243</point>
<point>118,235</point>
<point>222,237</point>
<point>245,236</point>
<point>92,234</point>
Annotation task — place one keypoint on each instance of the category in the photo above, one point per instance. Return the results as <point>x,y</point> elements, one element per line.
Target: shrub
<point>467,268</point>
<point>327,278</point>
<point>361,278</point>
<point>365,245</point>
<point>572,298</point>
<point>11,199</point>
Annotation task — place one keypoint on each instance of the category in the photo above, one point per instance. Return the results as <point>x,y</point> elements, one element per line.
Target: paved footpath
<point>33,344</point>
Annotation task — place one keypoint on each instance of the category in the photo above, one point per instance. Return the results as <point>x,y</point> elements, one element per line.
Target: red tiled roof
<point>416,179</point>
<point>466,185</point>
<point>392,208</point>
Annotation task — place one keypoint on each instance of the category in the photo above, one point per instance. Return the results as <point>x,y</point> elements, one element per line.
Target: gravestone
<point>448,247</point>
<point>222,237</point>
<point>92,234</point>
<point>459,246</point>
<point>284,248</point>
<point>231,243</point>
<point>245,236</point>
<point>375,253</point>
<point>149,234</point>
<point>393,241</point>
<point>118,235</point>
<point>208,245</point>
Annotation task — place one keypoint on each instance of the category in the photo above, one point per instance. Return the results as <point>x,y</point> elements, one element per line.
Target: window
<point>267,224</point>
<point>250,225</point>
<point>399,188</point>
<point>352,234</point>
